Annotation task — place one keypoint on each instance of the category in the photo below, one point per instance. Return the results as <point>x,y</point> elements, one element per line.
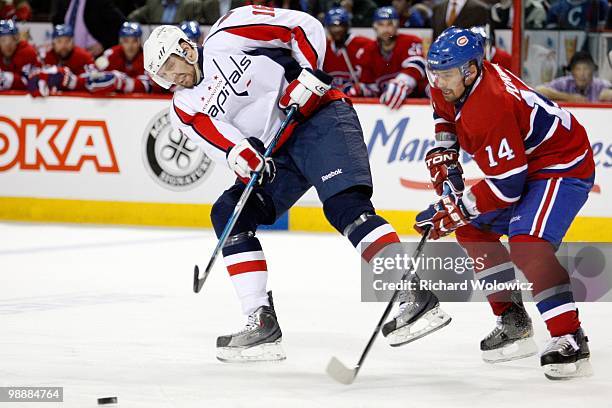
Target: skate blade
<point>262,352</point>
<point>519,349</point>
<point>431,321</point>
<point>581,368</point>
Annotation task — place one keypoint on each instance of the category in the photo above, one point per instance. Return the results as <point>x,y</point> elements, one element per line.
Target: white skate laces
<point>561,343</point>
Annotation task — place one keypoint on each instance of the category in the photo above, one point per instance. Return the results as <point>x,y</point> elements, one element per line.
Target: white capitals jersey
<point>245,55</point>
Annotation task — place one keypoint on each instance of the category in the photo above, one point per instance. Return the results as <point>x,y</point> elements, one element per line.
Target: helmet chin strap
<point>468,88</point>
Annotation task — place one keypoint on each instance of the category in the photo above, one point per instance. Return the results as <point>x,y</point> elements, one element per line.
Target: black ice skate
<point>419,314</point>
<point>260,340</point>
<point>567,357</point>
<point>512,337</point>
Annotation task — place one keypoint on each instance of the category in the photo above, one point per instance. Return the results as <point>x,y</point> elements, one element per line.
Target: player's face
<point>130,45</point>
<point>386,30</point>
<point>63,46</point>
<point>449,81</point>
<point>337,32</point>
<point>178,71</point>
<point>8,45</point>
<point>583,75</point>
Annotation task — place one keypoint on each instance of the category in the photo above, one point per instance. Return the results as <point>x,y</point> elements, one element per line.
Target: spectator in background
<point>413,16</point>
<point>192,31</point>
<point>577,14</point>
<point>393,66</point>
<point>123,64</point>
<point>169,12</point>
<point>502,14</point>
<point>95,22</point>
<point>18,57</point>
<point>459,13</point>
<point>580,85</point>
<point>361,11</point>
<point>344,51</point>
<point>214,9</point>
<point>15,9</point>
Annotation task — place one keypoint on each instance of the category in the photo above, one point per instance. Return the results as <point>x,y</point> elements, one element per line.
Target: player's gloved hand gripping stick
<point>198,281</point>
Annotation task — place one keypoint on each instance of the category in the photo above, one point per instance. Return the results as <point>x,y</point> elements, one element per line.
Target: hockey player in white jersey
<point>230,99</point>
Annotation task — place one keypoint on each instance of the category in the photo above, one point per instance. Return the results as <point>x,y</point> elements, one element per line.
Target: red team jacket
<point>134,69</point>
<point>335,63</point>
<point>514,135</point>
<point>406,57</point>
<point>79,61</point>
<point>25,54</point>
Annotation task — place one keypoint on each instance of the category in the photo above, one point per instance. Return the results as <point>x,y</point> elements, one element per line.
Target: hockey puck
<point>107,400</point>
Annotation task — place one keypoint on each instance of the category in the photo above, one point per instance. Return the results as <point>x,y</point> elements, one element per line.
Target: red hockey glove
<point>444,167</point>
<point>246,157</point>
<point>306,91</point>
<point>443,217</point>
<point>396,90</point>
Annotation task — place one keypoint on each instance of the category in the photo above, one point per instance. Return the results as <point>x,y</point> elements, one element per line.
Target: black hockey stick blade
<point>340,372</point>
<point>197,281</point>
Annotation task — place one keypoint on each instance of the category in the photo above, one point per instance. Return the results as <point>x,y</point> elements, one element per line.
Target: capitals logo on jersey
<point>226,83</point>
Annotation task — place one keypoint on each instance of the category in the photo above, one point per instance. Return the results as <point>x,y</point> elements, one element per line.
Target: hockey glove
<point>396,90</point>
<point>109,81</point>
<point>246,157</point>
<point>42,82</point>
<point>444,217</point>
<point>306,92</point>
<point>444,168</point>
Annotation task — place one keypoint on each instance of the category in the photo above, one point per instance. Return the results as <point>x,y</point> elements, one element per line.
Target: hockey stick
<point>198,281</point>
<point>352,72</point>
<point>335,368</point>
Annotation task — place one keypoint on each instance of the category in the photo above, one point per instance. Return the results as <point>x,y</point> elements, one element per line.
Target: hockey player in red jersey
<point>393,66</point>
<point>230,100</point>
<point>64,53</point>
<point>538,168</point>
<point>344,50</point>
<point>124,63</point>
<point>18,57</point>
<point>66,66</point>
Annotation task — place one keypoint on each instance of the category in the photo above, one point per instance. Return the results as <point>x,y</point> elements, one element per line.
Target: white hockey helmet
<point>164,41</point>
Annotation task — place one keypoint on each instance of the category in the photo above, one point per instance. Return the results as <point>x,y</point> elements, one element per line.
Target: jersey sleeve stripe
<point>509,188</point>
<point>269,32</point>
<point>498,193</point>
<point>203,126</point>
<point>509,172</point>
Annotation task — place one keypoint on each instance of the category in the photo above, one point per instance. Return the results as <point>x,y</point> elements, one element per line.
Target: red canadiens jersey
<point>514,134</point>
<point>335,61</point>
<point>501,58</point>
<point>114,59</point>
<point>23,58</point>
<point>117,61</point>
<point>406,57</point>
<point>79,61</point>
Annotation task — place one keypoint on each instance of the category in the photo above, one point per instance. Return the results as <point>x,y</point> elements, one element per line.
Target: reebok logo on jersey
<point>331,174</point>
<point>515,219</point>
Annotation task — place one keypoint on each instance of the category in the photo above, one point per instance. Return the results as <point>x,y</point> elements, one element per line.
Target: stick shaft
<point>242,202</point>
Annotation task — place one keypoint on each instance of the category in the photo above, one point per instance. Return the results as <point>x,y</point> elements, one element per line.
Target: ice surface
<point>108,311</point>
